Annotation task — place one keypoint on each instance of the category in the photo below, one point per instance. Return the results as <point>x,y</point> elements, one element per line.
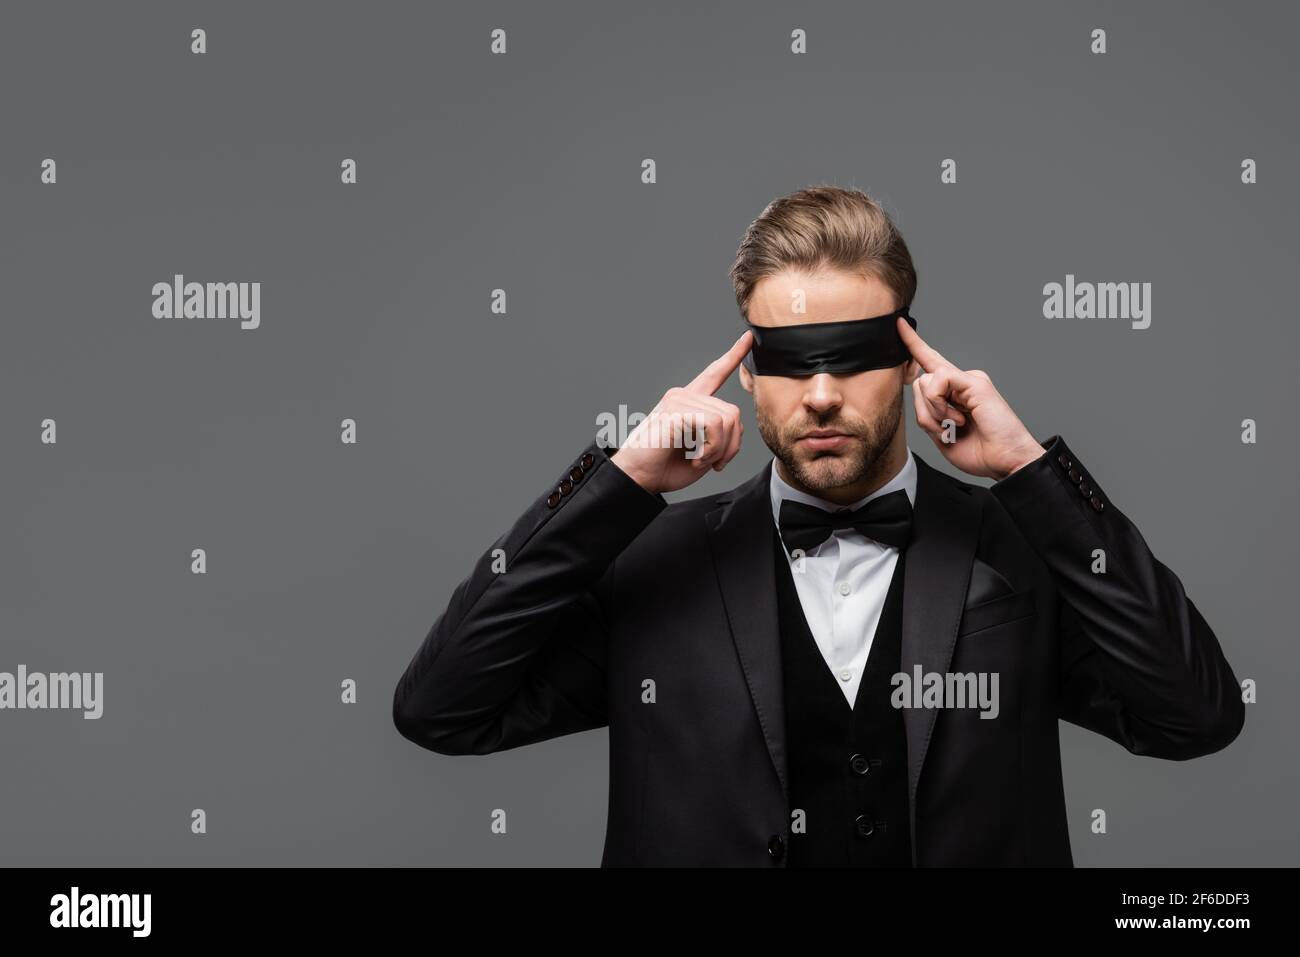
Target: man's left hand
<point>965,416</point>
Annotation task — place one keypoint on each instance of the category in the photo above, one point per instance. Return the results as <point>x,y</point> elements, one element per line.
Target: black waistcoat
<point>847,766</point>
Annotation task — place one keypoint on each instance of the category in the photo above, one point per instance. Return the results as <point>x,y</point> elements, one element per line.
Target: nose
<point>822,393</point>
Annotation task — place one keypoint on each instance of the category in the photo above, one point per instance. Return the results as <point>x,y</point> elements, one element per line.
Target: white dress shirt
<point>844,580</point>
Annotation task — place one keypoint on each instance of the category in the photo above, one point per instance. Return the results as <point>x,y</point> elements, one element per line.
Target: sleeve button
<point>553,500</point>
<point>776,847</point>
<point>1064,460</point>
<point>1085,489</point>
<point>575,474</point>
<point>587,461</point>
<point>1096,503</point>
<point>565,487</point>
<point>1075,477</point>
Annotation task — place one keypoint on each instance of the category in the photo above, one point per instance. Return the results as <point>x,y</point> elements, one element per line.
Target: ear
<point>746,380</point>
<point>912,371</point>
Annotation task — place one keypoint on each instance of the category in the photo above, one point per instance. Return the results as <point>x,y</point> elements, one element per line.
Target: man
<point>852,658</point>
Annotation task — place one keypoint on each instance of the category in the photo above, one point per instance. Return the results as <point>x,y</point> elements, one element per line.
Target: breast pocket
<point>997,611</point>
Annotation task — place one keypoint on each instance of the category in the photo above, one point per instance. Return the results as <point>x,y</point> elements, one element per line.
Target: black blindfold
<point>855,345</point>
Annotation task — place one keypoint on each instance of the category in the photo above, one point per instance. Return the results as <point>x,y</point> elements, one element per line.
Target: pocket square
<point>998,611</point>
<point>986,583</point>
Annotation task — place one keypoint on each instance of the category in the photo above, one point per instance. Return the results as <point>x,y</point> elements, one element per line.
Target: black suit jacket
<point>660,621</point>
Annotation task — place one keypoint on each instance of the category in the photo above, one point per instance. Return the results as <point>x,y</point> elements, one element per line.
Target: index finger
<point>928,358</point>
<point>719,370</point>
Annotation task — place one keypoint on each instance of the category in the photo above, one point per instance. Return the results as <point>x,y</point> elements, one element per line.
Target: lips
<point>824,440</point>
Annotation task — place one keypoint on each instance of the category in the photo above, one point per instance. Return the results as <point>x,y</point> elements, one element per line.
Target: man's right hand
<point>689,432</point>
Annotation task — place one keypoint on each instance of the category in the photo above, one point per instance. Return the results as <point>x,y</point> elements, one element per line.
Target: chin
<point>828,471</point>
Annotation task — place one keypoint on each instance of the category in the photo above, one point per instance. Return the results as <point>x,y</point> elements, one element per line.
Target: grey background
<point>523,172</point>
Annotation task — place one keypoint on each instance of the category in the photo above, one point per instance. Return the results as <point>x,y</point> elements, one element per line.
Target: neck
<point>884,469</point>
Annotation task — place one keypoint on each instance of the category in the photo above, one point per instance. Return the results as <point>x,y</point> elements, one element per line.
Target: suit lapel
<point>945,529</point>
<point>740,537</point>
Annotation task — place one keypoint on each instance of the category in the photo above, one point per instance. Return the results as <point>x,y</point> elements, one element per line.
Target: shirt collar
<point>780,489</point>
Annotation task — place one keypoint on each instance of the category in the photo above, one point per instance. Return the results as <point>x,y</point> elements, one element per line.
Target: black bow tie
<point>886,518</point>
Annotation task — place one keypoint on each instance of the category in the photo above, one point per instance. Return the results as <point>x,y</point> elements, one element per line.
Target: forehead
<point>825,295</point>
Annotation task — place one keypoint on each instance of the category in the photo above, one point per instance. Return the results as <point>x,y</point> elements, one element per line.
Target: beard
<point>817,471</point>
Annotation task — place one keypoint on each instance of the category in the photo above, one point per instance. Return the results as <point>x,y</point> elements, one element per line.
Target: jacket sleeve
<point>519,655</point>
<point>1139,664</point>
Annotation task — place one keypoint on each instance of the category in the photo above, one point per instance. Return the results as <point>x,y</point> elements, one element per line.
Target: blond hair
<point>821,227</point>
